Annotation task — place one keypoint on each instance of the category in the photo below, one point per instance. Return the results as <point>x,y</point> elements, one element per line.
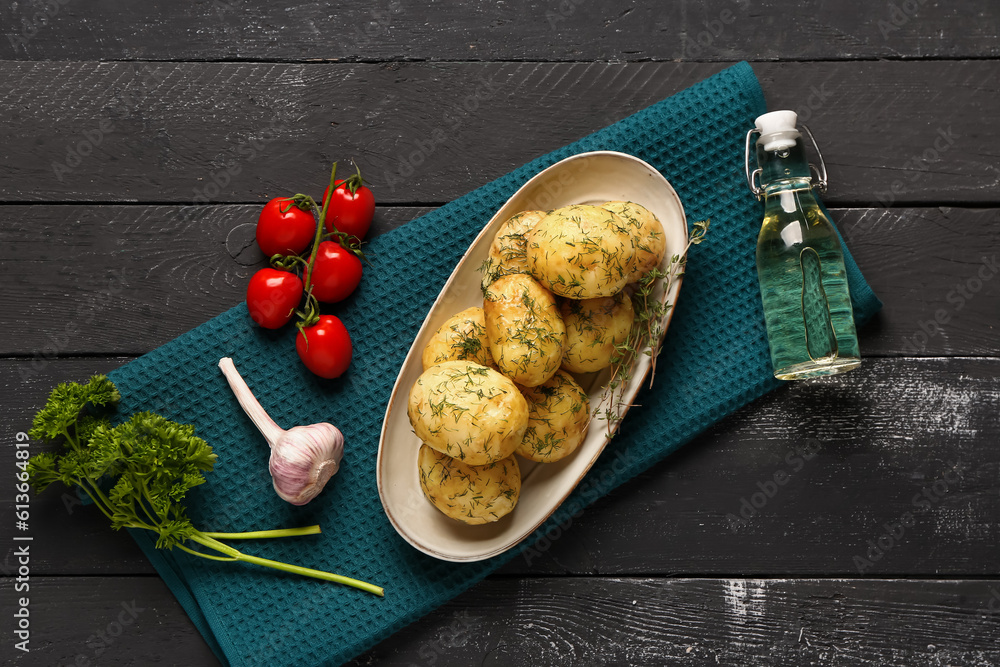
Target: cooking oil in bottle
<point>803,282</point>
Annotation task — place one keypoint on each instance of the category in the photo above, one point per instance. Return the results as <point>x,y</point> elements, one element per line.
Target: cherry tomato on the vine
<point>273,296</point>
<point>336,274</point>
<point>350,212</point>
<point>284,232</point>
<point>325,347</point>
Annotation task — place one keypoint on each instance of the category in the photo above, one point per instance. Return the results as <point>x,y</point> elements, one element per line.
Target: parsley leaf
<point>65,404</point>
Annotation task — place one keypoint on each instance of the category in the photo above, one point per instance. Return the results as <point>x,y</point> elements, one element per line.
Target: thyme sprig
<point>651,304</point>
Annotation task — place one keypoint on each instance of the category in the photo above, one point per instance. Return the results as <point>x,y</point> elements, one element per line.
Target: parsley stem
<point>264,534</point>
<point>100,500</point>
<point>200,538</point>
<point>227,559</point>
<point>102,503</point>
<point>147,507</point>
<point>70,439</point>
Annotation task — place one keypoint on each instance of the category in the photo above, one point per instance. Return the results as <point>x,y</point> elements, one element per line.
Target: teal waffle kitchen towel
<point>715,360</point>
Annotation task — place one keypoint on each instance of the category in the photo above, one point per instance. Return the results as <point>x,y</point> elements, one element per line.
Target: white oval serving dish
<point>586,178</point>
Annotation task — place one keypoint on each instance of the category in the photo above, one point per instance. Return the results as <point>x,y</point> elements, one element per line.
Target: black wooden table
<point>138,144</point>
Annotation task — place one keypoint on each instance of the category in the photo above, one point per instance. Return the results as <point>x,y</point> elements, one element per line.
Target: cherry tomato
<point>325,347</point>
<point>272,297</point>
<point>287,233</point>
<point>336,274</point>
<point>351,213</point>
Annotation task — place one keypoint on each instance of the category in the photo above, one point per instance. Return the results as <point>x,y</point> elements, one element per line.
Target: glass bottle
<point>803,282</point>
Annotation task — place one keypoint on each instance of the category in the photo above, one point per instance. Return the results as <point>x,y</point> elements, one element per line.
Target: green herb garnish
<point>138,473</point>
<point>647,330</point>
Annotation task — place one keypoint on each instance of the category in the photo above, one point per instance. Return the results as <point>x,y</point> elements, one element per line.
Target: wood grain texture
<point>130,278</point>
<point>135,276</point>
<point>877,441</point>
<point>872,553</point>
<point>580,621</point>
<point>738,622</point>
<point>937,273</point>
<point>894,133</point>
<point>878,435</point>
<point>104,621</point>
<point>734,622</point>
<point>551,30</point>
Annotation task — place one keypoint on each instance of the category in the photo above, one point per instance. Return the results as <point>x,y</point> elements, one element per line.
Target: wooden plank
<point>89,621</point>
<point>126,279</point>
<point>936,271</point>
<point>894,132</point>
<point>879,436</point>
<point>57,516</point>
<point>593,620</point>
<point>884,442</point>
<point>709,621</point>
<point>130,278</point>
<point>518,30</point>
<point>721,622</point>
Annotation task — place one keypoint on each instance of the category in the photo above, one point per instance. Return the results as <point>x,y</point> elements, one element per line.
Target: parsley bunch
<point>138,473</point>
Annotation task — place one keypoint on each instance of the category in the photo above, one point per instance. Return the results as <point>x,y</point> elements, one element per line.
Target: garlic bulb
<point>303,458</point>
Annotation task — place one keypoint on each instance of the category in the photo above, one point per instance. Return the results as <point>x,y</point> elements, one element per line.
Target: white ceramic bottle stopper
<point>777,129</point>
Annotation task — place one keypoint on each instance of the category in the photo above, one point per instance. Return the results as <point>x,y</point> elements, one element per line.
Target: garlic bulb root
<point>303,458</point>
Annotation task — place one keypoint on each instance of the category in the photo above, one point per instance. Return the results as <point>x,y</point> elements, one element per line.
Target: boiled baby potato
<point>526,334</point>
<point>581,252</point>
<point>593,328</point>
<point>462,337</point>
<point>472,494</point>
<point>507,252</point>
<point>558,415</point>
<point>649,243</point>
<point>467,411</point>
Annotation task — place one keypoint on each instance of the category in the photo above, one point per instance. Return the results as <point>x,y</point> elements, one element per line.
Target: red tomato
<point>328,350</point>
<point>351,213</point>
<point>287,233</point>
<point>336,274</point>
<point>273,296</point>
